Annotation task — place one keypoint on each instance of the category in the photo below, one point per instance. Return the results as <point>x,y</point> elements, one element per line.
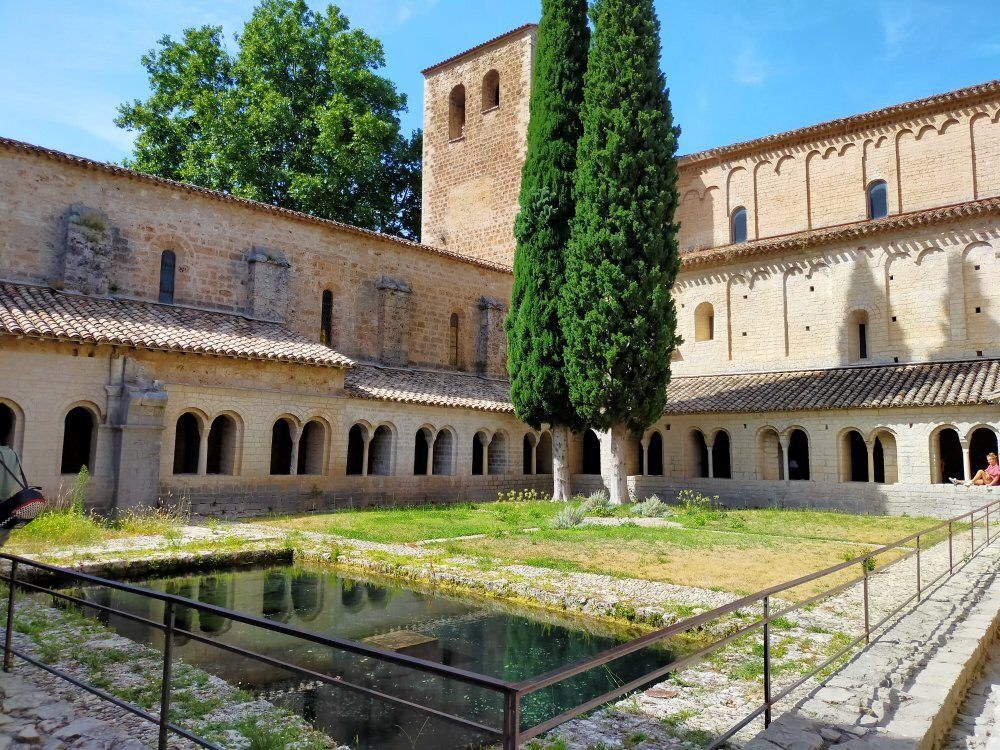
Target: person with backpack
<point>19,502</point>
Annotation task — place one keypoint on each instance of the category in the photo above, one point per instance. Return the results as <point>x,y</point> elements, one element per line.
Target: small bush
<point>651,507</point>
<point>869,562</point>
<point>568,517</point>
<point>598,504</point>
<point>699,508</point>
<point>521,496</point>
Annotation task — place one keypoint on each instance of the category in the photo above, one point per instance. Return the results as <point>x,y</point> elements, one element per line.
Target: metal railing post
<point>918,567</point>
<point>7,656</point>
<point>951,563</point>
<point>864,586</point>
<point>168,648</point>
<point>511,720</point>
<point>767,663</point>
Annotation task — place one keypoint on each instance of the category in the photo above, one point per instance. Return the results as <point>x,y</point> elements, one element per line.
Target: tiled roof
<point>839,233</point>
<point>932,384</point>
<point>28,148</point>
<point>452,389</point>
<point>478,47</point>
<point>39,312</point>
<point>839,126</point>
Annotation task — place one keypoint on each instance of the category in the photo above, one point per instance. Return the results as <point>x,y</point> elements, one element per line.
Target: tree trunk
<point>561,489</point>
<point>616,475</point>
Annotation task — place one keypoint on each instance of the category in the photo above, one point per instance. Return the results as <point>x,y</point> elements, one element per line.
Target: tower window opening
<point>456,113</point>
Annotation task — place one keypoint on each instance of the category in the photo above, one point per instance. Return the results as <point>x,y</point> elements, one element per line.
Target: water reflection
<point>473,636</point>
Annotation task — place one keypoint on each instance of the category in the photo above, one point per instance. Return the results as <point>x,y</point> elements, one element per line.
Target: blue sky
<point>736,70</point>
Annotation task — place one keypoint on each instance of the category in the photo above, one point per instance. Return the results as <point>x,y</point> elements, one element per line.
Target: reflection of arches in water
<point>352,595</point>
<point>307,595</point>
<point>377,595</point>
<point>183,616</point>
<point>214,590</point>
<point>274,599</point>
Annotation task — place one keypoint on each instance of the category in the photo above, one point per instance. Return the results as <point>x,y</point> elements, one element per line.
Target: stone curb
<point>905,689</point>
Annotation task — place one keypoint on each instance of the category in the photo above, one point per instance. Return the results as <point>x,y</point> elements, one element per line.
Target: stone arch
<point>491,90</point>
<point>722,459</point>
<point>456,113</point>
<point>480,442</point>
<point>311,458</point>
<point>497,454</point>
<point>79,441</point>
<point>770,455</point>
<point>528,445</point>
<point>380,450</point>
<point>704,322</point>
<point>885,459</point>
<point>168,275</point>
<point>696,459</point>
<point>853,456</point>
<point>654,454</point>
<point>188,430</point>
<point>11,424</point>
<point>283,435</point>
<point>308,594</point>
<point>326,318</point>
<point>981,439</point>
<point>543,453</point>
<point>224,440</point>
<point>423,440</point>
<point>591,453</point>
<point>357,438</point>
<point>798,454</point>
<point>443,458</point>
<point>947,459</point>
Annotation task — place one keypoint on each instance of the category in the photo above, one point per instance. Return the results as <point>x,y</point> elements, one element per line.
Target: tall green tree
<point>299,117</point>
<point>542,229</point>
<point>618,316</point>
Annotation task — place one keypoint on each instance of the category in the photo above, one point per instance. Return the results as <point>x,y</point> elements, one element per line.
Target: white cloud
<point>898,25</point>
<point>751,69</point>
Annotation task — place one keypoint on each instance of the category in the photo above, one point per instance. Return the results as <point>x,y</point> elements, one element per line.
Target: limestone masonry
<point>838,299</point>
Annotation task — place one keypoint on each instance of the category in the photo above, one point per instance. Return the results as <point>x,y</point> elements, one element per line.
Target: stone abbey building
<point>839,300</point>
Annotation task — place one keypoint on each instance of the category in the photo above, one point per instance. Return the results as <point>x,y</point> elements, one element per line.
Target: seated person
<point>988,477</point>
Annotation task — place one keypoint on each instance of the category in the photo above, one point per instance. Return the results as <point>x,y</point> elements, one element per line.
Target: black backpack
<point>21,507</point>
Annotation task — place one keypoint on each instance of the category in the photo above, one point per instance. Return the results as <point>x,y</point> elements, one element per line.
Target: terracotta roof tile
<point>478,47</point>
<point>931,384</point>
<point>39,312</point>
<point>451,389</point>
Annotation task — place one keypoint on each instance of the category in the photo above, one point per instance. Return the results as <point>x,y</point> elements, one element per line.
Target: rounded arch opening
<point>877,196</point>
<point>886,466</point>
<point>770,455</point>
<point>380,452</point>
<point>222,440</point>
<point>422,452</point>
<point>982,440</point>
<point>704,322</point>
<point>479,443</point>
<point>491,90</point>
<point>950,462</point>
<point>187,444</point>
<point>722,467</point>
<point>312,448</point>
<point>443,458</point>
<point>798,455</point>
<point>528,444</point>
<point>78,440</point>
<point>168,267</point>
<point>654,454</point>
<point>854,457</point>
<point>355,450</point>
<point>697,455</point>
<point>8,423</point>
<point>456,112</point>
<point>496,454</point>
<point>591,453</point>
<point>281,447</point>
<point>543,454</point>
<point>738,225</point>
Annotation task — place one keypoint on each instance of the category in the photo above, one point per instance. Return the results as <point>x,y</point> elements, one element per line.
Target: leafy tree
<point>298,117</point>
<point>534,338</point>
<point>618,316</point>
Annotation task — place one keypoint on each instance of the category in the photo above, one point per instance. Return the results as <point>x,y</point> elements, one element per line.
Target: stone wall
<point>472,174</point>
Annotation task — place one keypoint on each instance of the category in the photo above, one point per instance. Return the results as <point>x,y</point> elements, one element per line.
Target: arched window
<point>456,113</point>
<point>453,340</point>
<point>854,457</point>
<point>496,455</point>
<point>798,455</point>
<point>878,204</point>
<point>722,466</point>
<point>982,441</point>
<point>421,452</point>
<point>770,457</point>
<point>78,441</point>
<point>356,451</point>
<point>7,421</point>
<point>222,446</point>
<point>528,454</point>
<point>380,452</point>
<point>168,266</point>
<point>738,225</point>
<point>444,449</point>
<point>281,448</point>
<point>491,90</point>
<point>857,336</point>
<point>312,446</point>
<point>884,458</point>
<point>591,453</point>
<point>950,462</point>
<point>704,322</point>
<point>326,319</point>
<point>543,454</point>
<point>654,455</point>
<point>697,458</point>
<point>187,444</point>
<point>478,453</point>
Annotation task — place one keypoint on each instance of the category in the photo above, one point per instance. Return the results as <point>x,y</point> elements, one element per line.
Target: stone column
<point>429,463</point>
<point>364,455</point>
<point>203,432</point>
<point>870,444</point>
<point>136,415</point>
<point>486,455</point>
<point>534,458</point>
<point>783,442</point>
<point>296,434</point>
<point>711,460</point>
<point>966,462</point>
<point>644,455</point>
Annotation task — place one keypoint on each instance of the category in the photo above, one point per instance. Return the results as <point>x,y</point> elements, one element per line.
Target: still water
<point>476,636</point>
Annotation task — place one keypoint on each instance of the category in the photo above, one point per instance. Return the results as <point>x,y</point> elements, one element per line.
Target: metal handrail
<point>510,733</point>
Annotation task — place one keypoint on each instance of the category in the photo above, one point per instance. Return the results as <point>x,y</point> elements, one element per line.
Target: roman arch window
<point>421,452</point>
<point>496,454</point>
<point>168,267</point>
<point>442,460</point>
<point>884,458</point>
<point>187,444</point>
<point>854,458</point>
<point>453,340</point>
<point>380,452</point>
<point>7,422</point>
<point>798,455</point>
<point>543,454</point>
<point>878,205</point>
<point>491,90</point>
<point>312,447</point>
<point>704,322</point>
<point>722,466</point>
<point>221,446</point>
<point>281,448</point>
<point>982,441</point>
<point>738,225</point>
<point>950,462</point>
<point>591,453</point>
<point>456,113</point>
<point>857,336</point>
<point>770,456</point>
<point>697,455</point>
<point>528,454</point>
<point>326,319</point>
<point>478,453</point>
<point>78,441</point>
<point>654,455</point>
<point>356,451</point>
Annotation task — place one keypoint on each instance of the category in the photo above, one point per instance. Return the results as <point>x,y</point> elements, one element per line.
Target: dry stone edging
<point>905,689</point>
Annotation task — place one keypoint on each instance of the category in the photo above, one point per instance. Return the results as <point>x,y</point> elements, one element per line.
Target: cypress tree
<point>617,313</point>
<point>542,229</point>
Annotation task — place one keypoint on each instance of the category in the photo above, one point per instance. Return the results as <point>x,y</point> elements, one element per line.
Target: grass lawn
<point>423,522</point>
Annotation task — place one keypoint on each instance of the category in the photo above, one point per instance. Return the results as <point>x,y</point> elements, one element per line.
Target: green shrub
<point>598,504</point>
<point>651,507</point>
<point>568,517</point>
<point>699,508</point>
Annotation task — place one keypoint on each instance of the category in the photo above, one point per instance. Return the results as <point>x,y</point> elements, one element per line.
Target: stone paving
<point>977,726</point>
